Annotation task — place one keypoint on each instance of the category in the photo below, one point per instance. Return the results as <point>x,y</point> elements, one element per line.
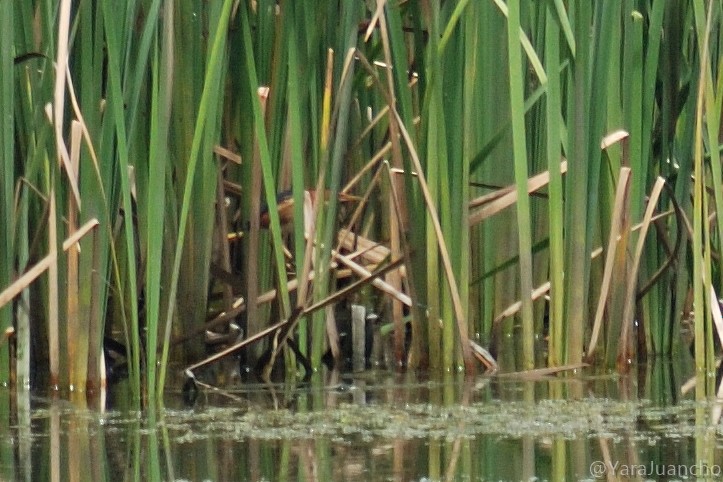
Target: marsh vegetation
<point>474,172</point>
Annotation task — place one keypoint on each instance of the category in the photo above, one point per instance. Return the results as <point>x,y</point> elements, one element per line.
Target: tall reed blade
<point>7,175</point>
<point>556,209</point>
<point>701,270</point>
<point>441,334</point>
<point>269,182</point>
<point>116,101</point>
<point>297,166</point>
<point>162,70</point>
<point>519,139</point>
<point>210,94</point>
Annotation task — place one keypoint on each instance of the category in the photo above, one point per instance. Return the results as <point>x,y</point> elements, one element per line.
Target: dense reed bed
<point>542,178</point>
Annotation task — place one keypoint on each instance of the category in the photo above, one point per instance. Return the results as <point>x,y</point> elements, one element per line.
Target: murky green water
<point>381,426</point>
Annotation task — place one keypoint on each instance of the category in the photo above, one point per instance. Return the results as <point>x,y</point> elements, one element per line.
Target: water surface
<point>380,426</point>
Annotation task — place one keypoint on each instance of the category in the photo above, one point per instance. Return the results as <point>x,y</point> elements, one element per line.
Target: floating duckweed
<point>602,418</point>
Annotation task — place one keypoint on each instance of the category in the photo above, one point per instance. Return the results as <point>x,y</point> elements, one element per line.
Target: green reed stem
<point>7,170</point>
<point>211,93</point>
<point>517,105</point>
<point>555,206</point>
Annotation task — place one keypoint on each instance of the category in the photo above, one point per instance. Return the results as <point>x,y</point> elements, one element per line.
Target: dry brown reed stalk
<point>282,329</point>
<point>515,307</point>
<point>506,197</point>
<point>53,302</point>
<point>618,229</point>
<point>539,373</point>
<point>44,264</point>
<point>459,311</point>
<point>625,347</point>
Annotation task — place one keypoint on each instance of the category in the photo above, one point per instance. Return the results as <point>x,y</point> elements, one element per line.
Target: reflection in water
<point>378,427</point>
